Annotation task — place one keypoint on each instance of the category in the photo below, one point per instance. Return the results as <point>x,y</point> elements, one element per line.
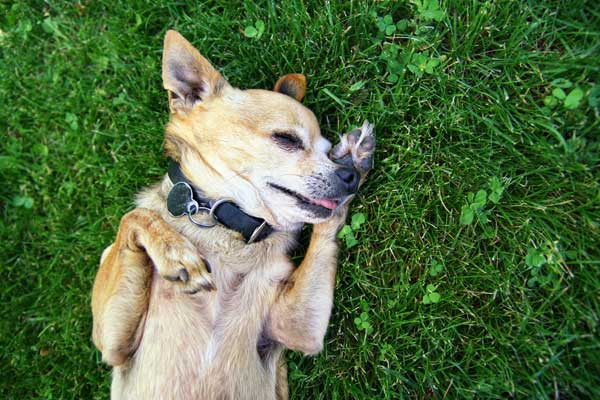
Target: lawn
<point>475,273</point>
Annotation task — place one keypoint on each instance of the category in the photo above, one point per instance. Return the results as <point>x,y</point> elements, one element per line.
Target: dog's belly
<point>200,346</point>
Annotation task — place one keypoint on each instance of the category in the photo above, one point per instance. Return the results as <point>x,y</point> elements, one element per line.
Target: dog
<point>197,297</point>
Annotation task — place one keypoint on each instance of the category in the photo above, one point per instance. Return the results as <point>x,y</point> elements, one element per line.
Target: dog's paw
<point>179,262</point>
<point>356,149</point>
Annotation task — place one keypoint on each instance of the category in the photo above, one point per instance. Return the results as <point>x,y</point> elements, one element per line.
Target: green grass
<point>82,121</point>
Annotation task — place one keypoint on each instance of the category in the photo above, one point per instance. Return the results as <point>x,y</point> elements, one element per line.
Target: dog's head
<point>261,148</point>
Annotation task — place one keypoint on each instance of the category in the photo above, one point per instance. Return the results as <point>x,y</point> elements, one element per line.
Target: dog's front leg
<point>145,243</point>
<point>300,315</point>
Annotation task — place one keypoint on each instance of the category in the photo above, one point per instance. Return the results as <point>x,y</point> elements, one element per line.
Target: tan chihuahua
<point>197,297</point>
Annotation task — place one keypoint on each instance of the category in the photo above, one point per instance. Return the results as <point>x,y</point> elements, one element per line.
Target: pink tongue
<point>325,203</point>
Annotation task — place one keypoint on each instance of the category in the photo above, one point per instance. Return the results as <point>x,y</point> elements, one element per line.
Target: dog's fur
<point>225,341</point>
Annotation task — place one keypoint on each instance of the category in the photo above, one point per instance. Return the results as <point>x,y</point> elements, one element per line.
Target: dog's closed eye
<point>287,140</point>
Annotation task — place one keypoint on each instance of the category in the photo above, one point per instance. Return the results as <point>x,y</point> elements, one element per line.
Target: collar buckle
<point>257,232</point>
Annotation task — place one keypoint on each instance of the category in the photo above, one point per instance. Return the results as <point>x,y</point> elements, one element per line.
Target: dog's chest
<point>203,336</point>
<point>247,279</point>
<point>233,313</point>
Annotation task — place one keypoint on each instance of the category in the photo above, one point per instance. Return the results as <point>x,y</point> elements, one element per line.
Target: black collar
<point>186,199</point>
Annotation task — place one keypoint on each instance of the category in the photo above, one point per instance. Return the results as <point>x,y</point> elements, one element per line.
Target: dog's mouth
<point>321,207</point>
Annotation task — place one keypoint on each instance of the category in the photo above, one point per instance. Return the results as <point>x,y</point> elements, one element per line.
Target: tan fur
<point>294,85</point>
<point>165,343</point>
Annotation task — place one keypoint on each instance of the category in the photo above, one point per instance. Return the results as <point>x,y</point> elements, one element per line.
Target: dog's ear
<point>188,77</point>
<point>293,85</point>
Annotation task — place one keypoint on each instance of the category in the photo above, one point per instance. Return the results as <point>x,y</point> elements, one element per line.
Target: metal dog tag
<point>180,200</point>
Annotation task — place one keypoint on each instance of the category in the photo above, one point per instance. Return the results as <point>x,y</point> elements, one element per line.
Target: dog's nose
<point>349,178</point>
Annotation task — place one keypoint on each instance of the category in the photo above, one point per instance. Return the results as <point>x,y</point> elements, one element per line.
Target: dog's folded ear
<point>187,76</point>
<point>293,85</point>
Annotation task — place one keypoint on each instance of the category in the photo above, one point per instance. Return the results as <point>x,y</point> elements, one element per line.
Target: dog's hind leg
<point>144,244</point>
<point>300,314</point>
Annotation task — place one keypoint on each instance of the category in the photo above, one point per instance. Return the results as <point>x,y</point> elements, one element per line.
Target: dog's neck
<point>185,198</point>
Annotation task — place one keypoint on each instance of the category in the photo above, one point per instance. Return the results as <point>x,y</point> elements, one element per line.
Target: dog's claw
<point>356,149</point>
<point>209,287</point>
